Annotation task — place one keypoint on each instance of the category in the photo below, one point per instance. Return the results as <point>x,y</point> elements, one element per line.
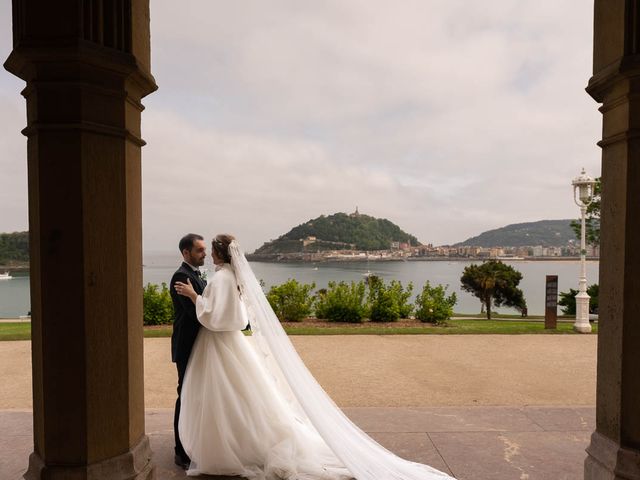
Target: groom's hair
<point>186,242</point>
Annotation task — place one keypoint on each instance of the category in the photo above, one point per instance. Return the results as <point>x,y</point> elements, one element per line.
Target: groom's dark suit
<point>185,331</point>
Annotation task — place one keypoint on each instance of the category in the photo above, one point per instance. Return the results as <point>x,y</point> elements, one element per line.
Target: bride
<point>251,408</point>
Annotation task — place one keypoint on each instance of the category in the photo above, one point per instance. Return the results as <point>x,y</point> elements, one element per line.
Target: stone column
<point>614,452</point>
<point>86,65</point>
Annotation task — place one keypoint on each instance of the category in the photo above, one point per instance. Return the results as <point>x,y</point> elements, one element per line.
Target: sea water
<point>158,267</point>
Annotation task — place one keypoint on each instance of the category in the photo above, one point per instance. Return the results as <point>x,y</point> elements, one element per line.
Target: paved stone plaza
<point>471,443</point>
<point>481,407</point>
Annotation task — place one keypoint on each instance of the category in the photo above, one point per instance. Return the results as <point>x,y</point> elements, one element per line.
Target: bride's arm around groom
<point>219,308</point>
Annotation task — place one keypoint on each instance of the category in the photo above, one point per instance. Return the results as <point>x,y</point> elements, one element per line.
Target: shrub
<point>381,305</point>
<point>342,302</point>
<point>594,293</point>
<point>433,306</point>
<point>568,300</point>
<point>388,303</point>
<point>402,296</point>
<point>157,305</point>
<point>291,301</point>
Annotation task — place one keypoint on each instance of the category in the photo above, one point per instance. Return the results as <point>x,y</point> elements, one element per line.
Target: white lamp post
<point>583,187</point>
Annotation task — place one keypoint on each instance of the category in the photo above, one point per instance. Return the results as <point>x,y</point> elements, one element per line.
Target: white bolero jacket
<point>220,308</point>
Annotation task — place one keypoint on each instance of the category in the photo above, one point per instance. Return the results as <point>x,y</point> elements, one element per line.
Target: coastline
<point>365,259</point>
<point>15,268</point>
<point>265,259</point>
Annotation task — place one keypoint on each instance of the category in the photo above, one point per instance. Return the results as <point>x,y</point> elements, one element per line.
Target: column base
<point>132,465</point>
<point>607,460</point>
<point>582,328</point>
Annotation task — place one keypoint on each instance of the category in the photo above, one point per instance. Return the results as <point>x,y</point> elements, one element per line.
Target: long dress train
<point>251,408</point>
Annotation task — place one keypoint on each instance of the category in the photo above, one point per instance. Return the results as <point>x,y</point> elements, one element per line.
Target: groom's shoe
<point>182,462</point>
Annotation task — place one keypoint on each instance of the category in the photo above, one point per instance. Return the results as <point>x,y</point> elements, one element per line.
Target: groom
<point>185,321</point>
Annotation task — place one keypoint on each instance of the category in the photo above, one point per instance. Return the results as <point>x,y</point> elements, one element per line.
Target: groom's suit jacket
<point>185,321</point>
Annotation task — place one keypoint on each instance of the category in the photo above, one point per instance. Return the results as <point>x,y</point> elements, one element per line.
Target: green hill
<point>339,231</point>
<point>548,233</point>
<point>14,247</point>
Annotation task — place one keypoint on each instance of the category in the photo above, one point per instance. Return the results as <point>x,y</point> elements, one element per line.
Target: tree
<point>14,247</point>
<point>592,219</point>
<point>494,283</point>
<point>568,300</point>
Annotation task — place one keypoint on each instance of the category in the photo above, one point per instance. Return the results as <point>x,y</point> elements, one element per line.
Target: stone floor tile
<point>16,422</point>
<point>162,447</point>
<point>442,419</point>
<point>159,420</point>
<point>416,447</point>
<point>14,456</point>
<point>560,419</point>
<point>479,443</point>
<point>513,455</point>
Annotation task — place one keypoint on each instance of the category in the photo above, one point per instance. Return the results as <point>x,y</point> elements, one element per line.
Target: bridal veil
<point>363,456</point>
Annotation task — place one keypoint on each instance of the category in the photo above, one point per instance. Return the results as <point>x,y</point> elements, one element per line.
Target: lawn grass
<point>494,315</point>
<point>22,330</point>
<point>15,331</point>
<point>509,316</point>
<point>455,327</point>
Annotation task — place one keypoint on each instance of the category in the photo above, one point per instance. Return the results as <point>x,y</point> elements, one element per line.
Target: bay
<point>158,267</point>
<point>14,295</point>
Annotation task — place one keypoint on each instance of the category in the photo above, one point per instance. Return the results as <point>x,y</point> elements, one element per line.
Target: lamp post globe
<point>583,188</point>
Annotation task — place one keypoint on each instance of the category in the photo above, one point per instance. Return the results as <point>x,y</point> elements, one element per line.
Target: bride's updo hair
<point>220,245</point>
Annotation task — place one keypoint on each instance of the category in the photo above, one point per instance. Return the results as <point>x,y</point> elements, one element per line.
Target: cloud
<point>448,117</point>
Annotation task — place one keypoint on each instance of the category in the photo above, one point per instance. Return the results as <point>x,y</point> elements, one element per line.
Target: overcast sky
<point>448,117</point>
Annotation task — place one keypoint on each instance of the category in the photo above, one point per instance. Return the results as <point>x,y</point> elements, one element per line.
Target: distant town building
<point>593,251</point>
<point>308,241</point>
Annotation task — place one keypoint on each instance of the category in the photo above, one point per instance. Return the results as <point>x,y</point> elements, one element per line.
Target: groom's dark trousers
<point>185,331</point>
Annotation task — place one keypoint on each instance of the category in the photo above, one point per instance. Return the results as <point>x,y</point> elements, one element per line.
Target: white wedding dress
<point>249,406</point>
